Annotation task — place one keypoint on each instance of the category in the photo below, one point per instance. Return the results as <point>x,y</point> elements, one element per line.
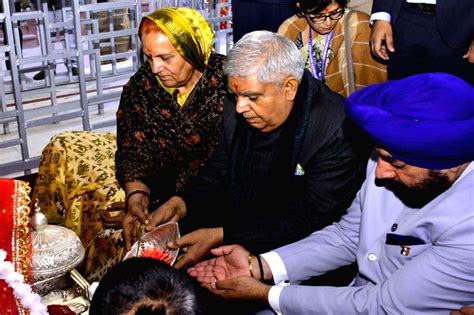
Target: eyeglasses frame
<point>311,17</point>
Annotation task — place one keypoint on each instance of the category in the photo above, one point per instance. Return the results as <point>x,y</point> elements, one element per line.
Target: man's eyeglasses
<point>321,18</point>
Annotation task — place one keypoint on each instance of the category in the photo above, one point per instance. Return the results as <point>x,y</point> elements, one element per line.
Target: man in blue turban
<point>410,228</point>
<point>425,121</point>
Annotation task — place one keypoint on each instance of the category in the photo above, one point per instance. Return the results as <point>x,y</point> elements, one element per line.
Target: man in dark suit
<point>253,15</point>
<point>285,167</point>
<point>431,36</point>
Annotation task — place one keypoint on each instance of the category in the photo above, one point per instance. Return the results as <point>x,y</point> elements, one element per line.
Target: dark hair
<point>314,6</point>
<point>144,286</point>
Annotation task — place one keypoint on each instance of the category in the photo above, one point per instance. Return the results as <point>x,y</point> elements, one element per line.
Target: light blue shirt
<point>429,278</point>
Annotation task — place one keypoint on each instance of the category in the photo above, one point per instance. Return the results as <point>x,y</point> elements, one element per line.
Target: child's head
<point>143,286</point>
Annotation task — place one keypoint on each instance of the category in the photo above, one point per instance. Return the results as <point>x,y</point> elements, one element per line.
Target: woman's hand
<point>113,216</point>
<point>171,211</point>
<point>137,212</point>
<point>196,245</point>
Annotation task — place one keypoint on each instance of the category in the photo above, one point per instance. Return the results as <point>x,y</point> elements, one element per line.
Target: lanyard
<point>327,43</point>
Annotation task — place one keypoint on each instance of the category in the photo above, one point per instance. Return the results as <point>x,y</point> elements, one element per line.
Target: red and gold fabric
<point>14,238</point>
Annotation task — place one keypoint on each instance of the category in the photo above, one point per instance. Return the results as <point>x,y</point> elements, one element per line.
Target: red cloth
<point>60,310</point>
<point>14,238</point>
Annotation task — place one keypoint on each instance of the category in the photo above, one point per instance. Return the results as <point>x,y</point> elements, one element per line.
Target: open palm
<point>230,262</point>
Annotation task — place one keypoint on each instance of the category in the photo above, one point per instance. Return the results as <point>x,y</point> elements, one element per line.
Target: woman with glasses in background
<point>318,31</point>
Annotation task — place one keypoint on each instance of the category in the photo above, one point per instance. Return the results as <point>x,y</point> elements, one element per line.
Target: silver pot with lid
<point>56,251</point>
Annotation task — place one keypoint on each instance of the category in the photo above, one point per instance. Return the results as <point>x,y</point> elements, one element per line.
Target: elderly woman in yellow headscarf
<point>170,114</point>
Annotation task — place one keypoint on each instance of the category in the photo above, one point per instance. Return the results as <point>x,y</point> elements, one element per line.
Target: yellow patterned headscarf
<point>188,32</point>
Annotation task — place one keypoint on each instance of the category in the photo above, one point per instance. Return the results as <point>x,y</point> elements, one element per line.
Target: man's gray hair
<point>271,56</point>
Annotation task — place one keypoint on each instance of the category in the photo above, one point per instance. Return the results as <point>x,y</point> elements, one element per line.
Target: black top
<point>162,143</point>
<point>268,190</point>
<point>455,19</point>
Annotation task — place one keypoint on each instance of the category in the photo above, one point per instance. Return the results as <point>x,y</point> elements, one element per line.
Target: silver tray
<point>153,244</point>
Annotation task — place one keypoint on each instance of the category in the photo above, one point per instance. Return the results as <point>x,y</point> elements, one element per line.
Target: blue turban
<point>425,120</point>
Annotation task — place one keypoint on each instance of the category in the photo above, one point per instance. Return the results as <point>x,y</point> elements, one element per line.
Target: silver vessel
<point>56,251</point>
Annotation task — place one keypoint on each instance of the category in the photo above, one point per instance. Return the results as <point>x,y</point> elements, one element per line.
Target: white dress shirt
<point>280,277</point>
<point>384,16</point>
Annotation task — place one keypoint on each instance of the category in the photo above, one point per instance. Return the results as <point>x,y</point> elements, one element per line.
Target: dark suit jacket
<point>296,205</point>
<point>455,18</point>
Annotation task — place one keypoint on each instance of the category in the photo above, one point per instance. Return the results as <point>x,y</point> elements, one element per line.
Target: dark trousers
<point>16,8</point>
<point>419,48</point>
<point>248,16</point>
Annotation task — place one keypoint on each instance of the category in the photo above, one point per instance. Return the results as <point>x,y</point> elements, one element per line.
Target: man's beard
<point>420,194</point>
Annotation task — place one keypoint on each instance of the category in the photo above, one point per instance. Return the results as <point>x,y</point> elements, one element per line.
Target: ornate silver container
<point>56,251</point>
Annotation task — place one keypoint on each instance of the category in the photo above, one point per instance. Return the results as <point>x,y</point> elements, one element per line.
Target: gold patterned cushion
<point>76,180</point>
